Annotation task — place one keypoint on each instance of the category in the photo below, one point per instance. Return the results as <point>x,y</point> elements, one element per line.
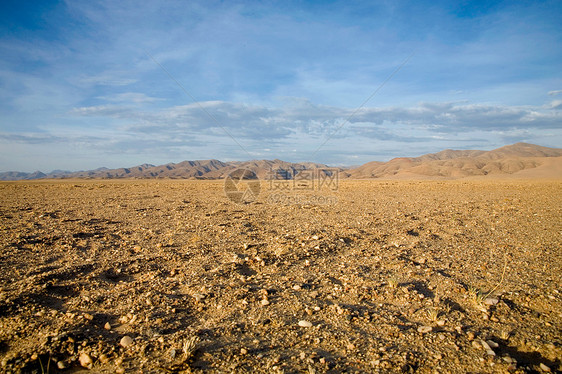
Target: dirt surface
<point>170,276</point>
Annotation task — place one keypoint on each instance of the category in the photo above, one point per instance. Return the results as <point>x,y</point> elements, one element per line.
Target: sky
<point>86,84</point>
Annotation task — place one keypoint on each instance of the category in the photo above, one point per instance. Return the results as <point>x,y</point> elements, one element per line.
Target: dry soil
<point>377,276</point>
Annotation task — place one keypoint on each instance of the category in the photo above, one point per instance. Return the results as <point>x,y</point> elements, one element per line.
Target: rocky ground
<point>379,276</point>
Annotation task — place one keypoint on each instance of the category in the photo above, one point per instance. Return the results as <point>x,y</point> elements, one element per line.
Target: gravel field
<point>170,276</point>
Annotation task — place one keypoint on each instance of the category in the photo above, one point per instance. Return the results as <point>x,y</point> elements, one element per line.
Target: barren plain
<point>164,276</point>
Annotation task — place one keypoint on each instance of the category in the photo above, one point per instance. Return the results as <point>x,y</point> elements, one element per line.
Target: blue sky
<point>81,86</point>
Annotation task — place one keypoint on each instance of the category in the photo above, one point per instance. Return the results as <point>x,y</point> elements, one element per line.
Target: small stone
<point>88,316</point>
<point>441,322</point>
<point>476,345</point>
<point>487,347</point>
<point>126,341</point>
<point>198,297</point>
<point>61,365</point>
<point>85,360</point>
<point>491,301</point>
<point>243,351</point>
<point>107,326</point>
<point>425,329</point>
<point>296,287</point>
<point>351,346</point>
<point>315,237</point>
<point>304,323</point>
<point>544,367</point>
<point>470,335</point>
<point>103,358</point>
<point>492,344</point>
<point>264,302</point>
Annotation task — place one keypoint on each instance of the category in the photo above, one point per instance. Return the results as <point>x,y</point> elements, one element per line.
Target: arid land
<point>168,276</point>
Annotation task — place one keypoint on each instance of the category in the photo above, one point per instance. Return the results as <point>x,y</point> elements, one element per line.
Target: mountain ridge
<point>448,163</point>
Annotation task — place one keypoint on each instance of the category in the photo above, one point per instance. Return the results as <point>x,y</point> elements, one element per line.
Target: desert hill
<point>513,160</point>
<point>508,160</point>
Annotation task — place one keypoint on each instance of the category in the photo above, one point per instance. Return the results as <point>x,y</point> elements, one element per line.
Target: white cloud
<point>300,116</point>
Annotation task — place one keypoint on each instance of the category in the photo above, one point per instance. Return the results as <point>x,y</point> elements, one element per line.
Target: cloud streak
<point>264,122</point>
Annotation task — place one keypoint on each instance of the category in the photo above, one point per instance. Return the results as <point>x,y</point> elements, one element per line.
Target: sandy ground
<point>377,276</point>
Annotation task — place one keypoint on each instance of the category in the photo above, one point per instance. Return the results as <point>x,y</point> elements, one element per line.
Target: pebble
<point>487,347</point>
<point>243,351</point>
<point>198,297</point>
<point>126,341</point>
<point>470,335</point>
<point>61,365</point>
<point>441,322</point>
<point>492,344</point>
<point>304,323</point>
<point>491,301</point>
<point>264,302</point>
<point>507,359</point>
<point>85,360</point>
<point>104,359</point>
<point>315,237</point>
<point>296,287</point>
<point>424,329</point>
<point>544,367</point>
<point>107,326</point>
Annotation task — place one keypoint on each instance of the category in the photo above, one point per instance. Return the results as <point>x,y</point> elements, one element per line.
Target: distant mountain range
<point>522,159</point>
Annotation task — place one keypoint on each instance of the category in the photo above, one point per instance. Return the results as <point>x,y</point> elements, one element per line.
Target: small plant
<point>189,347</point>
<point>393,282</point>
<point>504,334</point>
<point>476,296</point>
<point>432,314</point>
